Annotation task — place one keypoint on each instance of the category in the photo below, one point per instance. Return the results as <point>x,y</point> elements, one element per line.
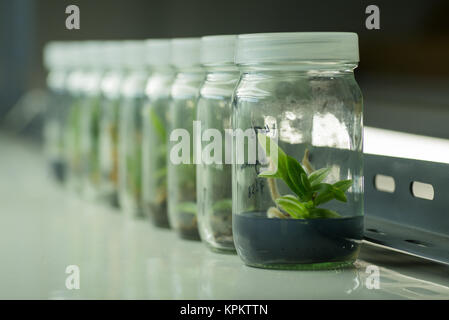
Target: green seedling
<point>187,207</point>
<point>222,205</point>
<point>309,189</point>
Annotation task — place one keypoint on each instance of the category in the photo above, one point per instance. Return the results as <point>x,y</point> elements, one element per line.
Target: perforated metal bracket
<point>400,214</point>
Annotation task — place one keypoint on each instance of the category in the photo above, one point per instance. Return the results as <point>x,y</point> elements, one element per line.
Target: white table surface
<point>44,228</point>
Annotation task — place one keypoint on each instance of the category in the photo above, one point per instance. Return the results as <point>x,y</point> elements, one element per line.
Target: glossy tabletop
<point>45,228</point>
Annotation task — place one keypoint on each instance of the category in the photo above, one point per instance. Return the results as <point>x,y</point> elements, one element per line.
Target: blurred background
<point>403,71</point>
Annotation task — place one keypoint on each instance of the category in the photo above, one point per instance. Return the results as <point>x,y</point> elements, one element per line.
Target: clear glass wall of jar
<point>182,207</point>
<point>154,149</point>
<point>58,70</point>
<point>130,128</point>
<point>298,201</point>
<point>214,173</point>
<point>90,120</point>
<point>109,121</point>
<point>72,133</point>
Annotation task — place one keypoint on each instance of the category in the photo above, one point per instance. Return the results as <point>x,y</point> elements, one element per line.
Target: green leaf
<point>269,174</point>
<point>323,198</point>
<point>322,187</point>
<point>158,125</point>
<point>285,164</point>
<point>319,175</point>
<point>293,207</point>
<point>277,153</point>
<point>317,213</point>
<point>339,195</point>
<point>290,196</point>
<point>325,193</point>
<point>266,144</point>
<point>309,204</point>
<point>343,185</point>
<point>294,172</point>
<point>306,183</point>
<point>309,189</point>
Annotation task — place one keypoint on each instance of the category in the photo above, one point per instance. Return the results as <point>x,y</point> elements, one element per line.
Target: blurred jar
<point>154,166</point>
<point>111,85</point>
<point>59,68</point>
<point>76,89</point>
<point>299,206</point>
<point>130,128</point>
<point>90,119</point>
<point>182,208</point>
<point>214,174</point>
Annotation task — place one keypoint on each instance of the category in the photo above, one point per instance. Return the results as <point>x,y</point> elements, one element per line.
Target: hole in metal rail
<point>375,231</point>
<point>422,190</point>
<point>417,242</point>
<point>384,183</point>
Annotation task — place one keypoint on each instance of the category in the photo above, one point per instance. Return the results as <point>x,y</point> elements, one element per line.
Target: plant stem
<point>272,185</point>
<point>306,163</point>
<point>274,212</point>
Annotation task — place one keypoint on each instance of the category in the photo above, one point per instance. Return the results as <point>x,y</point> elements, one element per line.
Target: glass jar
<point>214,173</point>
<point>181,170</point>
<point>59,68</point>
<point>72,132</point>
<point>109,121</point>
<point>130,129</point>
<point>90,120</point>
<point>298,199</point>
<point>154,149</point>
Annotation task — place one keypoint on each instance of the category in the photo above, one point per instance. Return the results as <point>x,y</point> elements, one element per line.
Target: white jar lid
<point>297,46</point>
<point>56,54</point>
<point>134,52</point>
<point>71,55</point>
<point>51,55</point>
<point>81,54</point>
<point>216,50</point>
<point>186,52</point>
<point>158,52</point>
<point>93,54</point>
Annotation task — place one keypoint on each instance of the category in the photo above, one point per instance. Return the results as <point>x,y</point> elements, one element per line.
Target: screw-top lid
<point>112,54</point>
<point>158,52</point>
<point>186,52</point>
<point>297,46</point>
<point>68,54</point>
<point>81,54</point>
<point>134,52</point>
<point>56,55</point>
<point>218,49</point>
<point>74,54</point>
<point>50,55</point>
<point>93,54</point>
